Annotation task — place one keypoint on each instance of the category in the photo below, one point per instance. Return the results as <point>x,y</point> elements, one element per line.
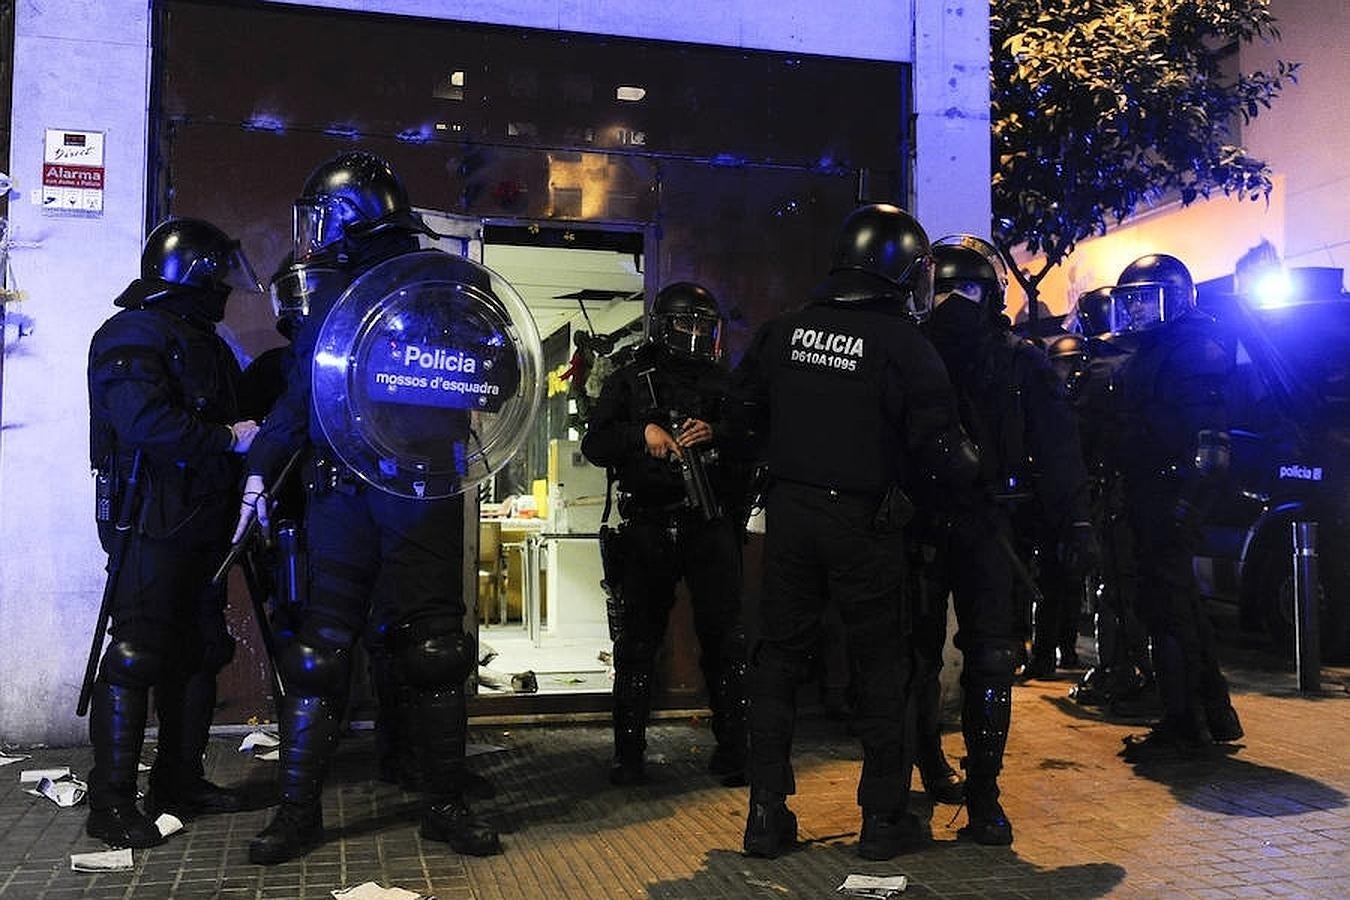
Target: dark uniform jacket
<point>1015,411</point>
<point>163,382</point>
<point>659,387</point>
<point>848,396</point>
<point>1173,386</point>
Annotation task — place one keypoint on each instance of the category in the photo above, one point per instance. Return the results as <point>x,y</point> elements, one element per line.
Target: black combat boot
<point>449,819</point>
<point>117,719</point>
<point>940,780</point>
<point>439,718</point>
<point>986,714</point>
<point>1220,717</point>
<point>770,827</point>
<point>888,834</point>
<point>296,829</point>
<point>988,824</point>
<point>177,779</point>
<point>1224,724</point>
<point>632,702</point>
<point>309,733</point>
<point>728,701</point>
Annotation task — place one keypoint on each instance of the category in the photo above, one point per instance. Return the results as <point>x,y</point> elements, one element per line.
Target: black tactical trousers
<point>972,562</point>
<point>822,545</point>
<point>1185,654</point>
<point>397,560</point>
<point>167,610</point>
<point>659,548</point>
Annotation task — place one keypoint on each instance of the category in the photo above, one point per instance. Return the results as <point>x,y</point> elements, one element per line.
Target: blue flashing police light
<point>1274,289</point>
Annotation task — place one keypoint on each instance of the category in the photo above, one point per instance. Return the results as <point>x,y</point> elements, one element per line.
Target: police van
<point>1291,456</point>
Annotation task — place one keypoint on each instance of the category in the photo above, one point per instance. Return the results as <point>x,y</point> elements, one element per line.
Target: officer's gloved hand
<point>1079,551</point>
<point>253,505</point>
<point>243,433</point>
<point>694,432</point>
<point>660,445</point>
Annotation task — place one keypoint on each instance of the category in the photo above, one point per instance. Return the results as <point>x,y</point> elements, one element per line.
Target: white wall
<point>1304,136</point>
<point>863,29</point>
<point>78,64</point>
<point>83,64</point>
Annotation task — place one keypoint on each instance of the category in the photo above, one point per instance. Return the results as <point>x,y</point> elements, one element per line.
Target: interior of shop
<point>541,605</point>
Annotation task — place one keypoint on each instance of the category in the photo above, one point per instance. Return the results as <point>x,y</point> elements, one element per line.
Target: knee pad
<point>128,665</point>
<point>313,671</point>
<point>436,660</point>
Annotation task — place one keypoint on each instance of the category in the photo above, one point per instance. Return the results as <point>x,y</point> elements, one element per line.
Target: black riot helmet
<point>348,199</point>
<point>1092,313</point>
<point>1152,290</point>
<point>293,285</point>
<point>1069,359</point>
<point>969,281</point>
<point>183,256</point>
<point>885,241</point>
<point>686,320</point>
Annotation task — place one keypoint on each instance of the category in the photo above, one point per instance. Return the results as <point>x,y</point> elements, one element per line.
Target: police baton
<point>122,535</point>
<point>257,597</point>
<point>1019,568</point>
<point>238,547</point>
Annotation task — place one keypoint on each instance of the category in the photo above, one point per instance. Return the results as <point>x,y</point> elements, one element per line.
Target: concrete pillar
<point>951,105</point>
<point>78,64</point>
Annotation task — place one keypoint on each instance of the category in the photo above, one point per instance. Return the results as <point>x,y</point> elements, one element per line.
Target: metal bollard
<point>1307,637</point>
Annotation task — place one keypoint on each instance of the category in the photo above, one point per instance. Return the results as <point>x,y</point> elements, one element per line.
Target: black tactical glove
<point>1079,552</point>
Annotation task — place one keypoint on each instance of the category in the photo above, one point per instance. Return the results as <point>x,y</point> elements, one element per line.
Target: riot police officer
<point>1029,452</point>
<point>365,546</point>
<point>853,405</point>
<point>165,434</point>
<point>1089,361</point>
<point>658,422</point>
<point>1054,627</point>
<point>1174,457</point>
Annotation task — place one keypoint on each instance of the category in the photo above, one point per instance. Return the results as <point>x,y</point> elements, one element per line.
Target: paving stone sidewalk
<point>1268,820</point>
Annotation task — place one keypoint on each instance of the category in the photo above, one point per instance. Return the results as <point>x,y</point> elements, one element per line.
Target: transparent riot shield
<point>427,374</point>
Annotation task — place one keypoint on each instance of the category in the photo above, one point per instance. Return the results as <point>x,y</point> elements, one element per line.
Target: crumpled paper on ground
<point>5,759</point>
<point>102,861</point>
<point>874,887</point>
<point>264,745</point>
<point>372,891</point>
<point>168,824</point>
<point>63,791</point>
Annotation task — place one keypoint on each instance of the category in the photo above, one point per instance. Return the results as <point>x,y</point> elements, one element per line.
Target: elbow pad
<point>1213,452</point>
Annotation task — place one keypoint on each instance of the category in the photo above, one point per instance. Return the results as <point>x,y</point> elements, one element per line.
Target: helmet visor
<point>1135,307</point>
<point>293,289</point>
<point>694,334</point>
<point>321,222</point>
<point>239,273</point>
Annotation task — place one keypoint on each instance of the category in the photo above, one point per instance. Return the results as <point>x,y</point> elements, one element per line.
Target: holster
<point>612,565</point>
